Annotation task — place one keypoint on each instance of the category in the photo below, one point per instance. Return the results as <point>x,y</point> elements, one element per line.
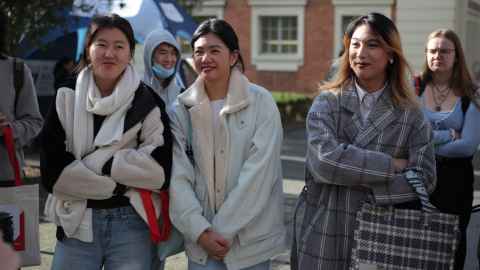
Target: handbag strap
<point>189,147</point>
<point>10,145</point>
<point>419,188</point>
<point>146,196</point>
<point>157,233</point>
<point>167,223</point>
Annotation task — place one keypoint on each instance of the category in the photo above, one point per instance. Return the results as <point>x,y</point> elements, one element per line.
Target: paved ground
<point>293,154</point>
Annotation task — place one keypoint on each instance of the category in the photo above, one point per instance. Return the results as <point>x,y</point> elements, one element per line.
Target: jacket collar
<point>379,118</point>
<point>237,95</point>
<point>350,100</point>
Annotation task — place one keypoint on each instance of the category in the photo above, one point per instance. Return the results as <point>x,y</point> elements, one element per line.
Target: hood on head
<point>152,41</point>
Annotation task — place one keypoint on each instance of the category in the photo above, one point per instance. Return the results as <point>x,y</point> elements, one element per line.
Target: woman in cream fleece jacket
<point>226,190</point>
<point>102,141</point>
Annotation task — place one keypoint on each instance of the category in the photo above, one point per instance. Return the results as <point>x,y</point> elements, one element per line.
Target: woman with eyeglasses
<point>366,135</point>
<point>451,102</point>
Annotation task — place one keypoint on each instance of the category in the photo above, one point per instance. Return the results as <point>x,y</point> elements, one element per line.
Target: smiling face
<point>368,58</point>
<point>109,55</point>
<point>165,55</point>
<point>212,58</point>
<point>440,54</point>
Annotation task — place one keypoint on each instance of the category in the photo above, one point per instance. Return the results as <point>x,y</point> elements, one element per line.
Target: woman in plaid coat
<point>365,132</point>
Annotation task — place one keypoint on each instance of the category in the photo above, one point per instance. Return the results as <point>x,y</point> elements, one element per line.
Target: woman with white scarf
<point>161,57</point>
<point>104,143</point>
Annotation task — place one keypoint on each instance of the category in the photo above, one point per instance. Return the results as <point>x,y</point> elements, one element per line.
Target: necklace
<point>440,95</point>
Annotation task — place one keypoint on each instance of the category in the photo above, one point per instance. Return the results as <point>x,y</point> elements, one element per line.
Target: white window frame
<point>277,8</point>
<point>207,8</point>
<point>356,8</point>
<point>210,8</point>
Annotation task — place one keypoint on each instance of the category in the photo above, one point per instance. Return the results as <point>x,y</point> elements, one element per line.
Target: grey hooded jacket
<point>155,38</point>
<point>25,118</point>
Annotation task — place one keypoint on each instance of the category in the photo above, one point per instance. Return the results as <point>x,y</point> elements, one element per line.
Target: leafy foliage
<point>288,97</point>
<point>31,17</point>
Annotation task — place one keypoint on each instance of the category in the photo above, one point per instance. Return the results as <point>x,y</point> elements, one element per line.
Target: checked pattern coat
<point>349,163</point>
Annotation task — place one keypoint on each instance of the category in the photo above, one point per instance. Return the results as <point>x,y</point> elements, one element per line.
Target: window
<point>348,10</point>
<point>202,10</point>
<point>347,20</point>
<point>472,43</point>
<point>208,8</point>
<point>185,46</point>
<point>277,34</point>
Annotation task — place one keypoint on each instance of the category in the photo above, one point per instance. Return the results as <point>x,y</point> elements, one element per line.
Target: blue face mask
<point>162,72</point>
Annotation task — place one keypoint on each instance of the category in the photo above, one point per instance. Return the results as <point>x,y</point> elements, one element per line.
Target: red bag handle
<point>10,145</point>
<point>167,223</point>
<point>157,234</point>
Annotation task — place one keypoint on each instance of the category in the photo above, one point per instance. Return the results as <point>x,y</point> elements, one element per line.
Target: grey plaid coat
<point>349,163</point>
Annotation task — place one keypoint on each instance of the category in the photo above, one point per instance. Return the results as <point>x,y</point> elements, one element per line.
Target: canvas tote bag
<point>22,203</point>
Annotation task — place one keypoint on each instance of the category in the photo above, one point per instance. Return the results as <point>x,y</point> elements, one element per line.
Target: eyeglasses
<point>442,51</point>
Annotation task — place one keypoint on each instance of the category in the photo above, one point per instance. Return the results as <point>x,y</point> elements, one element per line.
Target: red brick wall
<point>238,14</point>
<point>319,32</point>
<point>318,46</point>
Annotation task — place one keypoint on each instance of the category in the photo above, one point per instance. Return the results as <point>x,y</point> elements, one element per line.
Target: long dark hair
<point>397,72</point>
<point>100,22</point>
<point>224,31</point>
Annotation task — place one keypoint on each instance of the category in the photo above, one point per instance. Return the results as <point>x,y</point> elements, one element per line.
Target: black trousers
<point>454,195</point>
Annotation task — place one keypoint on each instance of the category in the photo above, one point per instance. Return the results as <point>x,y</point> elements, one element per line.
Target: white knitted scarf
<point>79,138</point>
<point>88,101</point>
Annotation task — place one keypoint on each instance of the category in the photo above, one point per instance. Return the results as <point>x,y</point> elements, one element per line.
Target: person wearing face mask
<point>161,57</point>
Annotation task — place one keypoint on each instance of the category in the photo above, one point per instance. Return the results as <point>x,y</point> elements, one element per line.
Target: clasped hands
<point>214,244</point>
<point>399,164</point>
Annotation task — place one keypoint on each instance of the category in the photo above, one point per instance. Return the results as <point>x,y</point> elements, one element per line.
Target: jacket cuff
<point>198,228</point>
<point>398,190</point>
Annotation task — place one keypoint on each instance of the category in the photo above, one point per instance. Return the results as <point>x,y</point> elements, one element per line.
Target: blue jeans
<point>218,265</point>
<point>121,241</point>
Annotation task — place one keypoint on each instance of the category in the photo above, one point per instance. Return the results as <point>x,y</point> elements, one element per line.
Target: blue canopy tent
<point>67,41</point>
<point>144,15</point>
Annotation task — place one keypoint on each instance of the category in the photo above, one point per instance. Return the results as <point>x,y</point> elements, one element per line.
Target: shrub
<point>293,107</point>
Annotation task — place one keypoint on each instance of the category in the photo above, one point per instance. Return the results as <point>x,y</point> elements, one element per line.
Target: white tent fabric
<point>143,15</point>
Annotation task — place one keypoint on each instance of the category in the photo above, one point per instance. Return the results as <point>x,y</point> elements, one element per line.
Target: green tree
<point>32,18</point>
<point>189,4</point>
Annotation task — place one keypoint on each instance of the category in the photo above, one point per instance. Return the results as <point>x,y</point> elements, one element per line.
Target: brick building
<point>288,45</point>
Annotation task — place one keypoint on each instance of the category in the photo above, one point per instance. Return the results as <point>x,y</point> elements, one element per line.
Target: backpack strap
<point>18,74</point>
<point>420,88</point>
<point>465,103</point>
<point>419,85</point>
<point>189,147</point>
